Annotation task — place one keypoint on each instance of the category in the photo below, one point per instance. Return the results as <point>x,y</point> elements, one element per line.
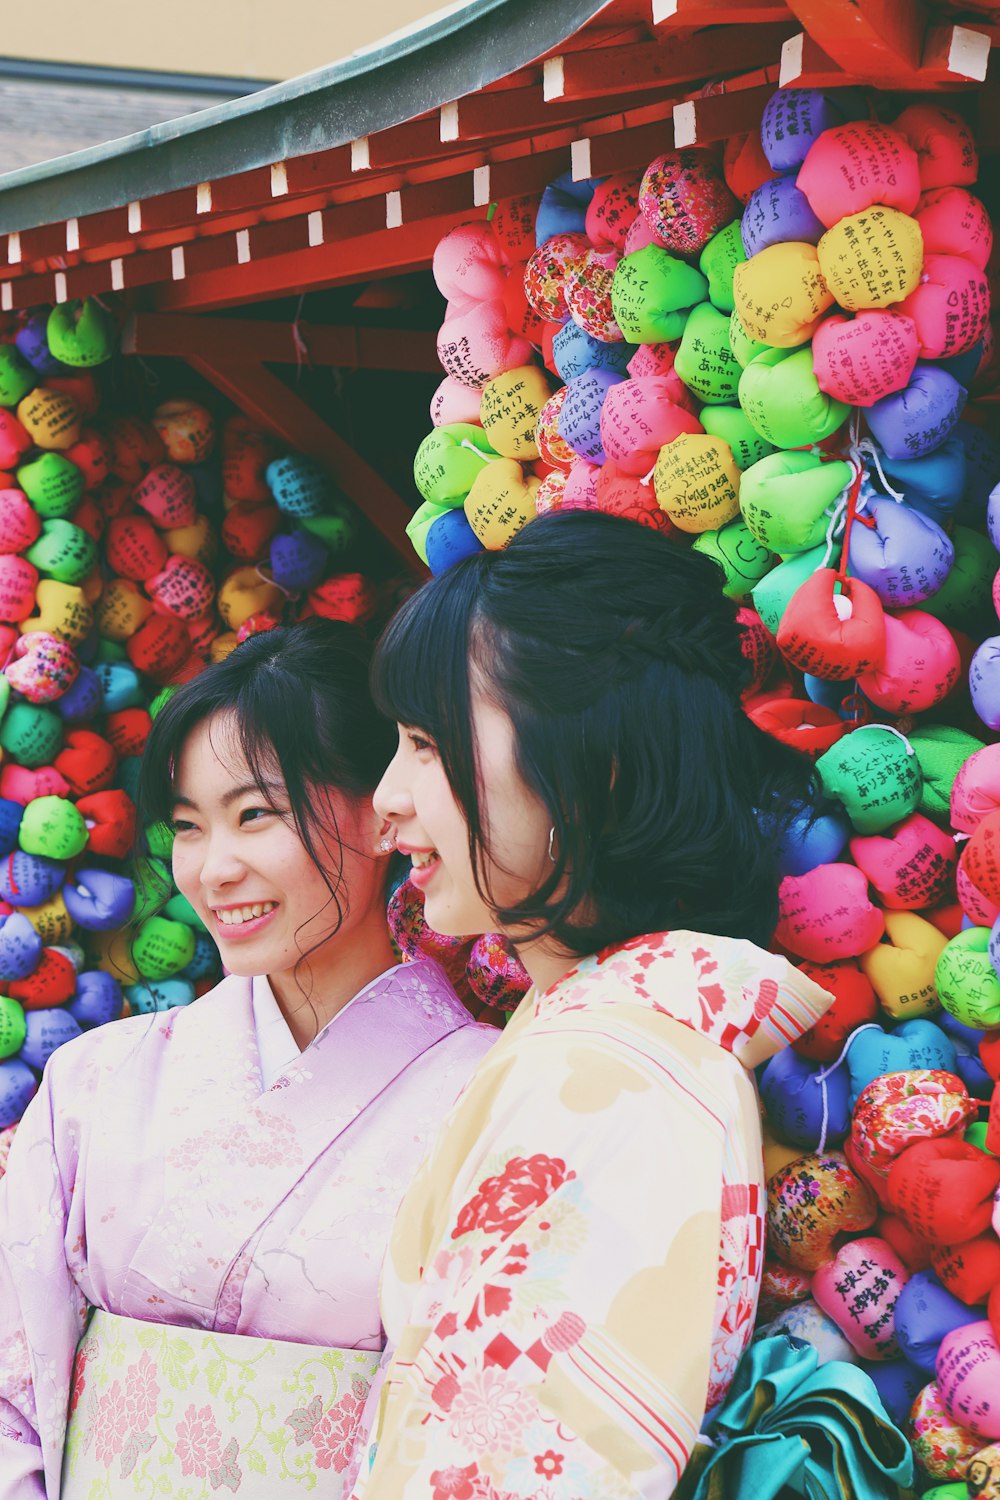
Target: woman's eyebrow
<point>271,788</point>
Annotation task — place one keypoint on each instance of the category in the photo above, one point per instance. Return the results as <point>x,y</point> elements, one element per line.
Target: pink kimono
<point>154,1178</point>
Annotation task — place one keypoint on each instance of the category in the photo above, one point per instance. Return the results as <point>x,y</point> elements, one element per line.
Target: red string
<point>852,516</point>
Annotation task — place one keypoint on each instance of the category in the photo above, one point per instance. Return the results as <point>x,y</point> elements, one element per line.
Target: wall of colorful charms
<point>782,356</point>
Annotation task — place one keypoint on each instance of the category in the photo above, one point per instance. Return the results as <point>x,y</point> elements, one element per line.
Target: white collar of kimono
<point>276,1047</point>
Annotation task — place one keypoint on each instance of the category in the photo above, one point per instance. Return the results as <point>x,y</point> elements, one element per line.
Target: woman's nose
<point>392,799</point>
<point>222,864</point>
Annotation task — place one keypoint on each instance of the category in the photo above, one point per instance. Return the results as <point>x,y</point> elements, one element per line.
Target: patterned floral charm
<point>941,1447</point>
<point>900,1108</point>
<point>546,272</point>
<point>684,200</point>
<point>588,295</point>
<point>44,669</point>
<point>552,446</point>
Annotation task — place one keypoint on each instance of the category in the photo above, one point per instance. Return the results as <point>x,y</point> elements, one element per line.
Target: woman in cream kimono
<point>574,1272</point>
<point>208,1191</point>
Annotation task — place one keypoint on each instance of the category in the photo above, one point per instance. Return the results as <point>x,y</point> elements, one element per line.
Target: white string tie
<point>821,1078</point>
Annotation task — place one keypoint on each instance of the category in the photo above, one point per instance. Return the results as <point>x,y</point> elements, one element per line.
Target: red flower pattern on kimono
<point>503,1202</point>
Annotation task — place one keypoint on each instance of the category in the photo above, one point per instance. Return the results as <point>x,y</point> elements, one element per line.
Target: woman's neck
<point>545,963</point>
<point>330,978</point>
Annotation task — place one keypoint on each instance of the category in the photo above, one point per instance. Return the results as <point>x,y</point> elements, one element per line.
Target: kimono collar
<point>750,1002</point>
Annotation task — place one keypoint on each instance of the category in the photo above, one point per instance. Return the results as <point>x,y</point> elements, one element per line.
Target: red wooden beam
<point>718,116</point>
<point>677,15</point>
<point>951,57</point>
<point>626,70</point>
<point>954,54</point>
<point>805,65</point>
<point>271,405</point>
<point>481,116</point>
<point>349,346</point>
<point>868,38</point>
<point>630,150</point>
<point>366,257</point>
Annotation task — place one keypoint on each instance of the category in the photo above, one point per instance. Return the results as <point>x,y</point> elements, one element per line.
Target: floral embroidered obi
<point>170,1411</point>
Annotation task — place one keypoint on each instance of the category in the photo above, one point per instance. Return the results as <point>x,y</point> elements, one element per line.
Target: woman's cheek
<point>183,866</point>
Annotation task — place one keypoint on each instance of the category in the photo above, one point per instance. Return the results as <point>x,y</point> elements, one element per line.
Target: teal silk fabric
<point>791,1426</point>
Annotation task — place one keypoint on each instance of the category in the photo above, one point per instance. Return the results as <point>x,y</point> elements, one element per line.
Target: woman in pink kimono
<point>574,1272</point>
<point>201,1199</point>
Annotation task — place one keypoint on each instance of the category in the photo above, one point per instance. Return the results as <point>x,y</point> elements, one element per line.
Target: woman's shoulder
<point>106,1049</point>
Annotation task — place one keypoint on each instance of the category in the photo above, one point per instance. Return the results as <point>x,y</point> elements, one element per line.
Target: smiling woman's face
<point>239,860</point>
<point>415,796</point>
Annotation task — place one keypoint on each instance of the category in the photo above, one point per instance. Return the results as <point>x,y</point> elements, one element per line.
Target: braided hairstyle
<point>616,656</point>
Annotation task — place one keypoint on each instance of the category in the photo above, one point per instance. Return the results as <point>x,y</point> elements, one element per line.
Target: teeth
<point>421,861</point>
<point>233,916</point>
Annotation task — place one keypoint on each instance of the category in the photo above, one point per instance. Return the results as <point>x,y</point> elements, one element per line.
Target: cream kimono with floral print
<point>155,1178</point>
<point>574,1273</point>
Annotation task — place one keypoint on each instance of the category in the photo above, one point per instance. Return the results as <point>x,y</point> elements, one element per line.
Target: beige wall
<point>236,38</point>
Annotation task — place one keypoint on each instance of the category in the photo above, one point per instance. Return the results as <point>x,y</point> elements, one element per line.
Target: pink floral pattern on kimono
<point>234,1209</point>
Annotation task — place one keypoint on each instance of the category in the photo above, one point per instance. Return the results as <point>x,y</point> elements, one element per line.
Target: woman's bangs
<point>420,671</point>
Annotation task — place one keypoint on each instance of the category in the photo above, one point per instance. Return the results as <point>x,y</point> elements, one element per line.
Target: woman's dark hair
<point>616,656</point>
<point>299,701</point>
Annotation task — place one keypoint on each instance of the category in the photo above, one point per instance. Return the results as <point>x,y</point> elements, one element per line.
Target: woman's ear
<point>383,836</point>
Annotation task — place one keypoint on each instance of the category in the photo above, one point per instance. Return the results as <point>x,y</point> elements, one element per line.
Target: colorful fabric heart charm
<point>780,295</point>
<point>859,1289</point>
<point>185,587</point>
<point>896,1110</point>
<point>826,914</point>
<point>638,417</point>
<point>943,1187</point>
<point>20,948</point>
<point>501,502</point>
<point>31,734</point>
<point>803,1106</point>
<point>98,999</point>
<point>45,667</point>
<point>167,495</point>
<point>51,983</point>
<point>684,200</point>
<point>794,119</point>
<point>917,419</point>
<point>950,307</point>
<point>510,407</point>
<point>110,817</point>
<point>159,647</point>
<point>832,628</point>
<point>913,1045</point>
<point>54,827</point>
<point>81,336</point>
<point>941,1446</point>
<point>968,1377</point>
<point>99,900</point>
<point>901,971</point>
<point>810,1202</point>
<point>186,429</point>
<point>953,222</point>
<point>851,167</point>
<point>911,866</point>
<point>652,294</point>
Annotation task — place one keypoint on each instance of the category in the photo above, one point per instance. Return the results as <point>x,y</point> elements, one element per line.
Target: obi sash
<point>170,1411</point>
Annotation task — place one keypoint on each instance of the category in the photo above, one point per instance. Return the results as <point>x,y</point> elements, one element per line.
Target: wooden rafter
<point>348,346</point>
<point>277,409</point>
<point>625,70</point>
